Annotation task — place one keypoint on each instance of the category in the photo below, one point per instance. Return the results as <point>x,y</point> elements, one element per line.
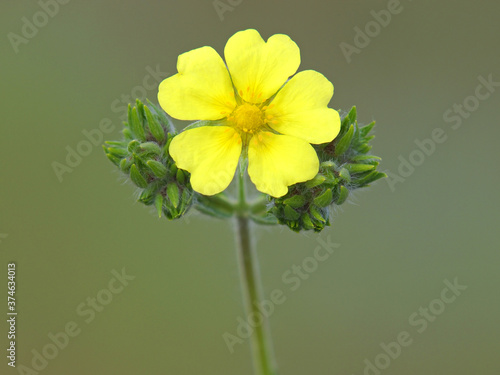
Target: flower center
<point>247,118</point>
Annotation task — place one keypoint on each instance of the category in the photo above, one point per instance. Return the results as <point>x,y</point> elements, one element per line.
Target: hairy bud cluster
<point>143,156</point>
<point>345,165</point>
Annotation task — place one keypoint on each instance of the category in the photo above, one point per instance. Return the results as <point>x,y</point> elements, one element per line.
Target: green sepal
<point>324,199</point>
<point>306,221</point>
<point>170,212</point>
<point>318,180</point>
<point>368,158</point>
<point>159,204</point>
<point>151,147</point>
<point>115,160</point>
<point>364,148</point>
<point>140,110</point>
<point>363,132</point>
<point>125,165</point>
<point>290,213</point>
<point>358,168</point>
<point>140,162</point>
<point>345,175</point>
<point>116,143</point>
<point>344,142</point>
<point>167,146</point>
<point>135,124</point>
<point>180,177</point>
<point>317,215</point>
<point>328,164</point>
<point>350,118</point>
<point>158,169</point>
<point>154,126</point>
<point>127,133</point>
<point>133,146</point>
<point>296,201</point>
<point>343,194</point>
<point>118,152</point>
<point>186,199</point>
<point>173,194</point>
<point>136,177</point>
<point>369,178</point>
<point>173,169</point>
<point>148,194</point>
<point>162,117</point>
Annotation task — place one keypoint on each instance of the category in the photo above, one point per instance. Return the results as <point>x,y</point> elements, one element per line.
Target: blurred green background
<point>397,245</point>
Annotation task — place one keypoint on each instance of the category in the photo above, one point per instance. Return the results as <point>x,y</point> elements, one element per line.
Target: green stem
<point>262,351</point>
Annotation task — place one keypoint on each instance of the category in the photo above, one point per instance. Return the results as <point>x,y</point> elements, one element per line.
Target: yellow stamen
<point>247,118</point>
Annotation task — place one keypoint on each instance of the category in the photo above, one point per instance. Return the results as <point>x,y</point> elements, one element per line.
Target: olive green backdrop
<point>398,242</point>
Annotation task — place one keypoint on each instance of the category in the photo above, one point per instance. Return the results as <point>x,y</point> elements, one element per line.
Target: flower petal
<point>259,69</point>
<point>278,161</point>
<point>202,90</point>
<point>300,109</point>
<point>210,154</point>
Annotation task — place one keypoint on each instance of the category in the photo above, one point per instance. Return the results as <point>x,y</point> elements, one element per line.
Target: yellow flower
<point>271,120</point>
